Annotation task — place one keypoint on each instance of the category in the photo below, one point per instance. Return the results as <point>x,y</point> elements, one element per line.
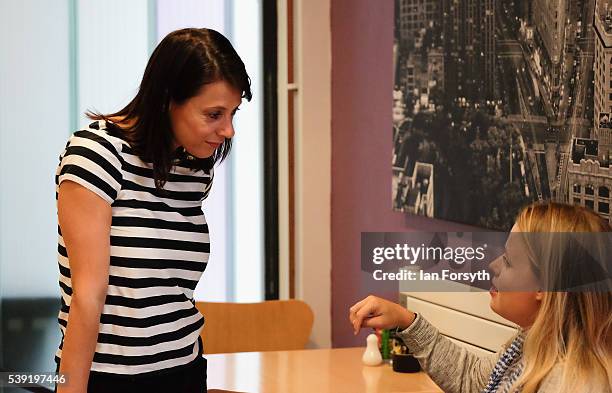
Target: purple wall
<point>362,83</point>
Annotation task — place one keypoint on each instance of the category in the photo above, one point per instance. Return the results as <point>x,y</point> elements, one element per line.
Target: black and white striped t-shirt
<point>159,249</point>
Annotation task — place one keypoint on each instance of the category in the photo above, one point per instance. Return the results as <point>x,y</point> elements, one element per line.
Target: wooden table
<point>314,370</point>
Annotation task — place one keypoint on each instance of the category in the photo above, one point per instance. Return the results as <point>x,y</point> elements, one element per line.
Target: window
<point>577,189</point>
<point>131,32</point>
<point>604,192</point>
<point>603,208</point>
<point>589,190</point>
<point>577,201</point>
<point>590,204</point>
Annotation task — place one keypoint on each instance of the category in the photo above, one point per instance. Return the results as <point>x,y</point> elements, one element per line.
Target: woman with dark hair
<point>133,240</point>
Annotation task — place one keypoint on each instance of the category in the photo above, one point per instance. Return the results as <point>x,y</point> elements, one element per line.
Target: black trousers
<point>187,379</point>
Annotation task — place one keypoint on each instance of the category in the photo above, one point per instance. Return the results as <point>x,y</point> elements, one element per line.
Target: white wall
<point>34,126</point>
<point>312,93</point>
<point>313,162</point>
<point>112,52</point>
<point>173,15</point>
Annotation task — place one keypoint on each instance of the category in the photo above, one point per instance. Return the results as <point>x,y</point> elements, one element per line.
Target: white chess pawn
<point>371,356</point>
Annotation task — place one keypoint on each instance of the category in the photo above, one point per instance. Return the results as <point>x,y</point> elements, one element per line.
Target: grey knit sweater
<point>454,368</point>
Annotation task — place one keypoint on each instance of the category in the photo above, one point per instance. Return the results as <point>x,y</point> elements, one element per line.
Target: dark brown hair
<point>183,62</point>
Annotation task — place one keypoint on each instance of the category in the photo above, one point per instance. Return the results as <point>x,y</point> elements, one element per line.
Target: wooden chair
<point>274,325</point>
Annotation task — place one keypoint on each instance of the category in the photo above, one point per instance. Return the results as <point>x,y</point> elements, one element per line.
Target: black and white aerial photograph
<point>498,103</point>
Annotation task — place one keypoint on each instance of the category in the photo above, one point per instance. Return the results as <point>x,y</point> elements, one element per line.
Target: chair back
<point>274,325</point>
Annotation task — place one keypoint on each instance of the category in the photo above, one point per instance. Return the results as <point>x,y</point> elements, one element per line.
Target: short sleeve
<point>208,186</point>
<point>92,161</point>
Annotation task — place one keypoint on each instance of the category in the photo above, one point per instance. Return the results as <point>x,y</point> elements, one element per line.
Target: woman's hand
<point>379,313</point>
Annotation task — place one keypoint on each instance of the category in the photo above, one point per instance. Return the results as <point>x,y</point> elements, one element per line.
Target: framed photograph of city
<point>497,103</point>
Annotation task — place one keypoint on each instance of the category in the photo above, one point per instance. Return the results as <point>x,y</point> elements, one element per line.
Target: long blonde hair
<point>571,329</point>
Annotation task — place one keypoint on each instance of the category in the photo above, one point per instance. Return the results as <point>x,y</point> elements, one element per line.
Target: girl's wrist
<point>408,318</point>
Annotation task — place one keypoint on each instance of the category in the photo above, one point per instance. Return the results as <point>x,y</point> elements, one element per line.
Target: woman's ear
<point>539,296</point>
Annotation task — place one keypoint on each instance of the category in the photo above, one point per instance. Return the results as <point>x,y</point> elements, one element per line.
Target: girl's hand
<point>379,313</point>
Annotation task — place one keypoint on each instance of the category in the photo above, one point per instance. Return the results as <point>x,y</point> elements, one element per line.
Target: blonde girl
<point>564,341</point>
